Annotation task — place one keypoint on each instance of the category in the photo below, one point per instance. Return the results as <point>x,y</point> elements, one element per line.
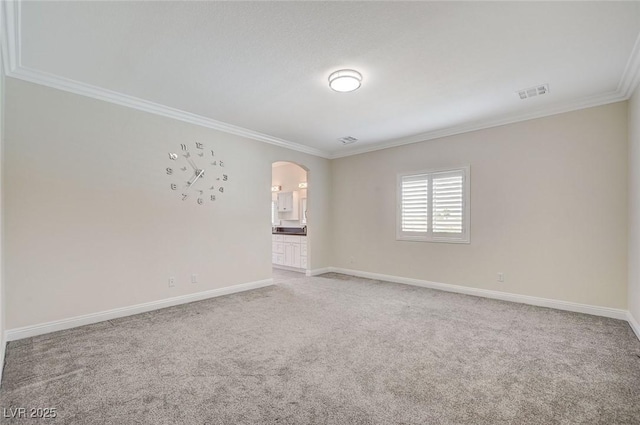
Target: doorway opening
<point>289,220</point>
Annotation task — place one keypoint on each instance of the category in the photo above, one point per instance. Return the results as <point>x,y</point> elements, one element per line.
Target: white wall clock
<point>197,174</point>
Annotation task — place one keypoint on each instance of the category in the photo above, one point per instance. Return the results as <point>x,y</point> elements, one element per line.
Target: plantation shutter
<point>447,202</point>
<point>433,206</point>
<point>414,203</point>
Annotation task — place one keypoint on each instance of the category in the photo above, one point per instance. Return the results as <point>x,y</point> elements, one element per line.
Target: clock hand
<point>194,180</point>
<point>193,164</point>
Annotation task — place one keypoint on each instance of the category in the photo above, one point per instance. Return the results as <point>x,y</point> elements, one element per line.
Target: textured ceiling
<point>263,66</point>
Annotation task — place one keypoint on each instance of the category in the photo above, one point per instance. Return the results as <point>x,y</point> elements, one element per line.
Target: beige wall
<point>2,291</point>
<point>634,206</point>
<point>92,225</point>
<point>548,209</point>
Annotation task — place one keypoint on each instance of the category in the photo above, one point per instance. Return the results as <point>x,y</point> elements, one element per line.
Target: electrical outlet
<point>194,278</point>
<point>500,277</point>
<point>172,282</point>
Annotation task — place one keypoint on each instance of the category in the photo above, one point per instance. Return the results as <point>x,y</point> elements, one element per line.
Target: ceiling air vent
<point>347,140</point>
<point>533,91</point>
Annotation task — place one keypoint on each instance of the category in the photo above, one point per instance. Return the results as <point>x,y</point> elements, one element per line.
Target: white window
<point>433,206</point>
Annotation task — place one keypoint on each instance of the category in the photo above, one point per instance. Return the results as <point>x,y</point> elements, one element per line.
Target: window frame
<point>465,238</point>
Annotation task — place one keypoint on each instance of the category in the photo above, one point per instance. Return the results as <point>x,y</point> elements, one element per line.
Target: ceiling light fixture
<point>345,80</point>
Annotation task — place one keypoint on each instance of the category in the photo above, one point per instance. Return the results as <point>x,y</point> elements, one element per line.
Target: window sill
<point>436,240</point>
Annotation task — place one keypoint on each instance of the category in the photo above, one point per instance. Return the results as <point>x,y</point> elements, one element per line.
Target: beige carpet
<point>333,350</point>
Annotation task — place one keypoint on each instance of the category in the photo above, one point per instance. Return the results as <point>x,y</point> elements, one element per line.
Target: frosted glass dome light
<point>345,80</point>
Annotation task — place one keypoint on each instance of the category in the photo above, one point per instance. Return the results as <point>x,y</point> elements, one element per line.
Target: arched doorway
<point>289,220</point>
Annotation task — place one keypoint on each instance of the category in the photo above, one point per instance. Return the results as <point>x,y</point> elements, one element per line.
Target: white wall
<point>92,225</point>
<point>548,209</point>
<point>289,176</point>
<point>634,208</point>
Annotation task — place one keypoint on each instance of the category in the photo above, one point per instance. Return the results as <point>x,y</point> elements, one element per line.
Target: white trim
<point>3,303</point>
<point>12,48</point>
<point>72,322</point>
<point>10,36</point>
<point>634,324</point>
<point>60,83</point>
<point>465,237</point>
<point>486,293</point>
<point>316,272</point>
<point>631,75</point>
<point>288,268</point>
<point>3,350</point>
<point>584,103</point>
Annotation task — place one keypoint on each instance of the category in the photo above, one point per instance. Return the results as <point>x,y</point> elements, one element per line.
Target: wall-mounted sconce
<point>276,188</point>
<point>302,185</point>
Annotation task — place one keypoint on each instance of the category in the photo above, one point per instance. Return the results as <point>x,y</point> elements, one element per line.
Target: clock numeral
<point>201,154</point>
<point>225,177</point>
<point>174,186</point>
<point>187,155</point>
<point>183,147</point>
<point>213,153</point>
<point>221,189</point>
<point>173,156</point>
<point>184,168</point>
<point>184,196</point>
<point>198,145</point>
<point>213,197</point>
<point>200,201</point>
<point>201,192</point>
<point>214,163</point>
<point>221,164</point>
<point>169,171</point>
<point>212,188</point>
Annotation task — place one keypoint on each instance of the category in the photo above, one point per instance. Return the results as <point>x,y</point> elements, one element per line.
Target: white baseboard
<point>486,293</point>
<point>58,325</point>
<point>3,349</point>
<point>291,269</point>
<point>316,272</point>
<point>634,324</point>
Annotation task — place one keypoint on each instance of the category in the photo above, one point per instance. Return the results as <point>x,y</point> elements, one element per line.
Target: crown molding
<point>588,102</point>
<point>631,75</point>
<point>626,87</point>
<point>11,55</point>
<point>11,50</point>
<point>10,13</point>
<point>72,86</point>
